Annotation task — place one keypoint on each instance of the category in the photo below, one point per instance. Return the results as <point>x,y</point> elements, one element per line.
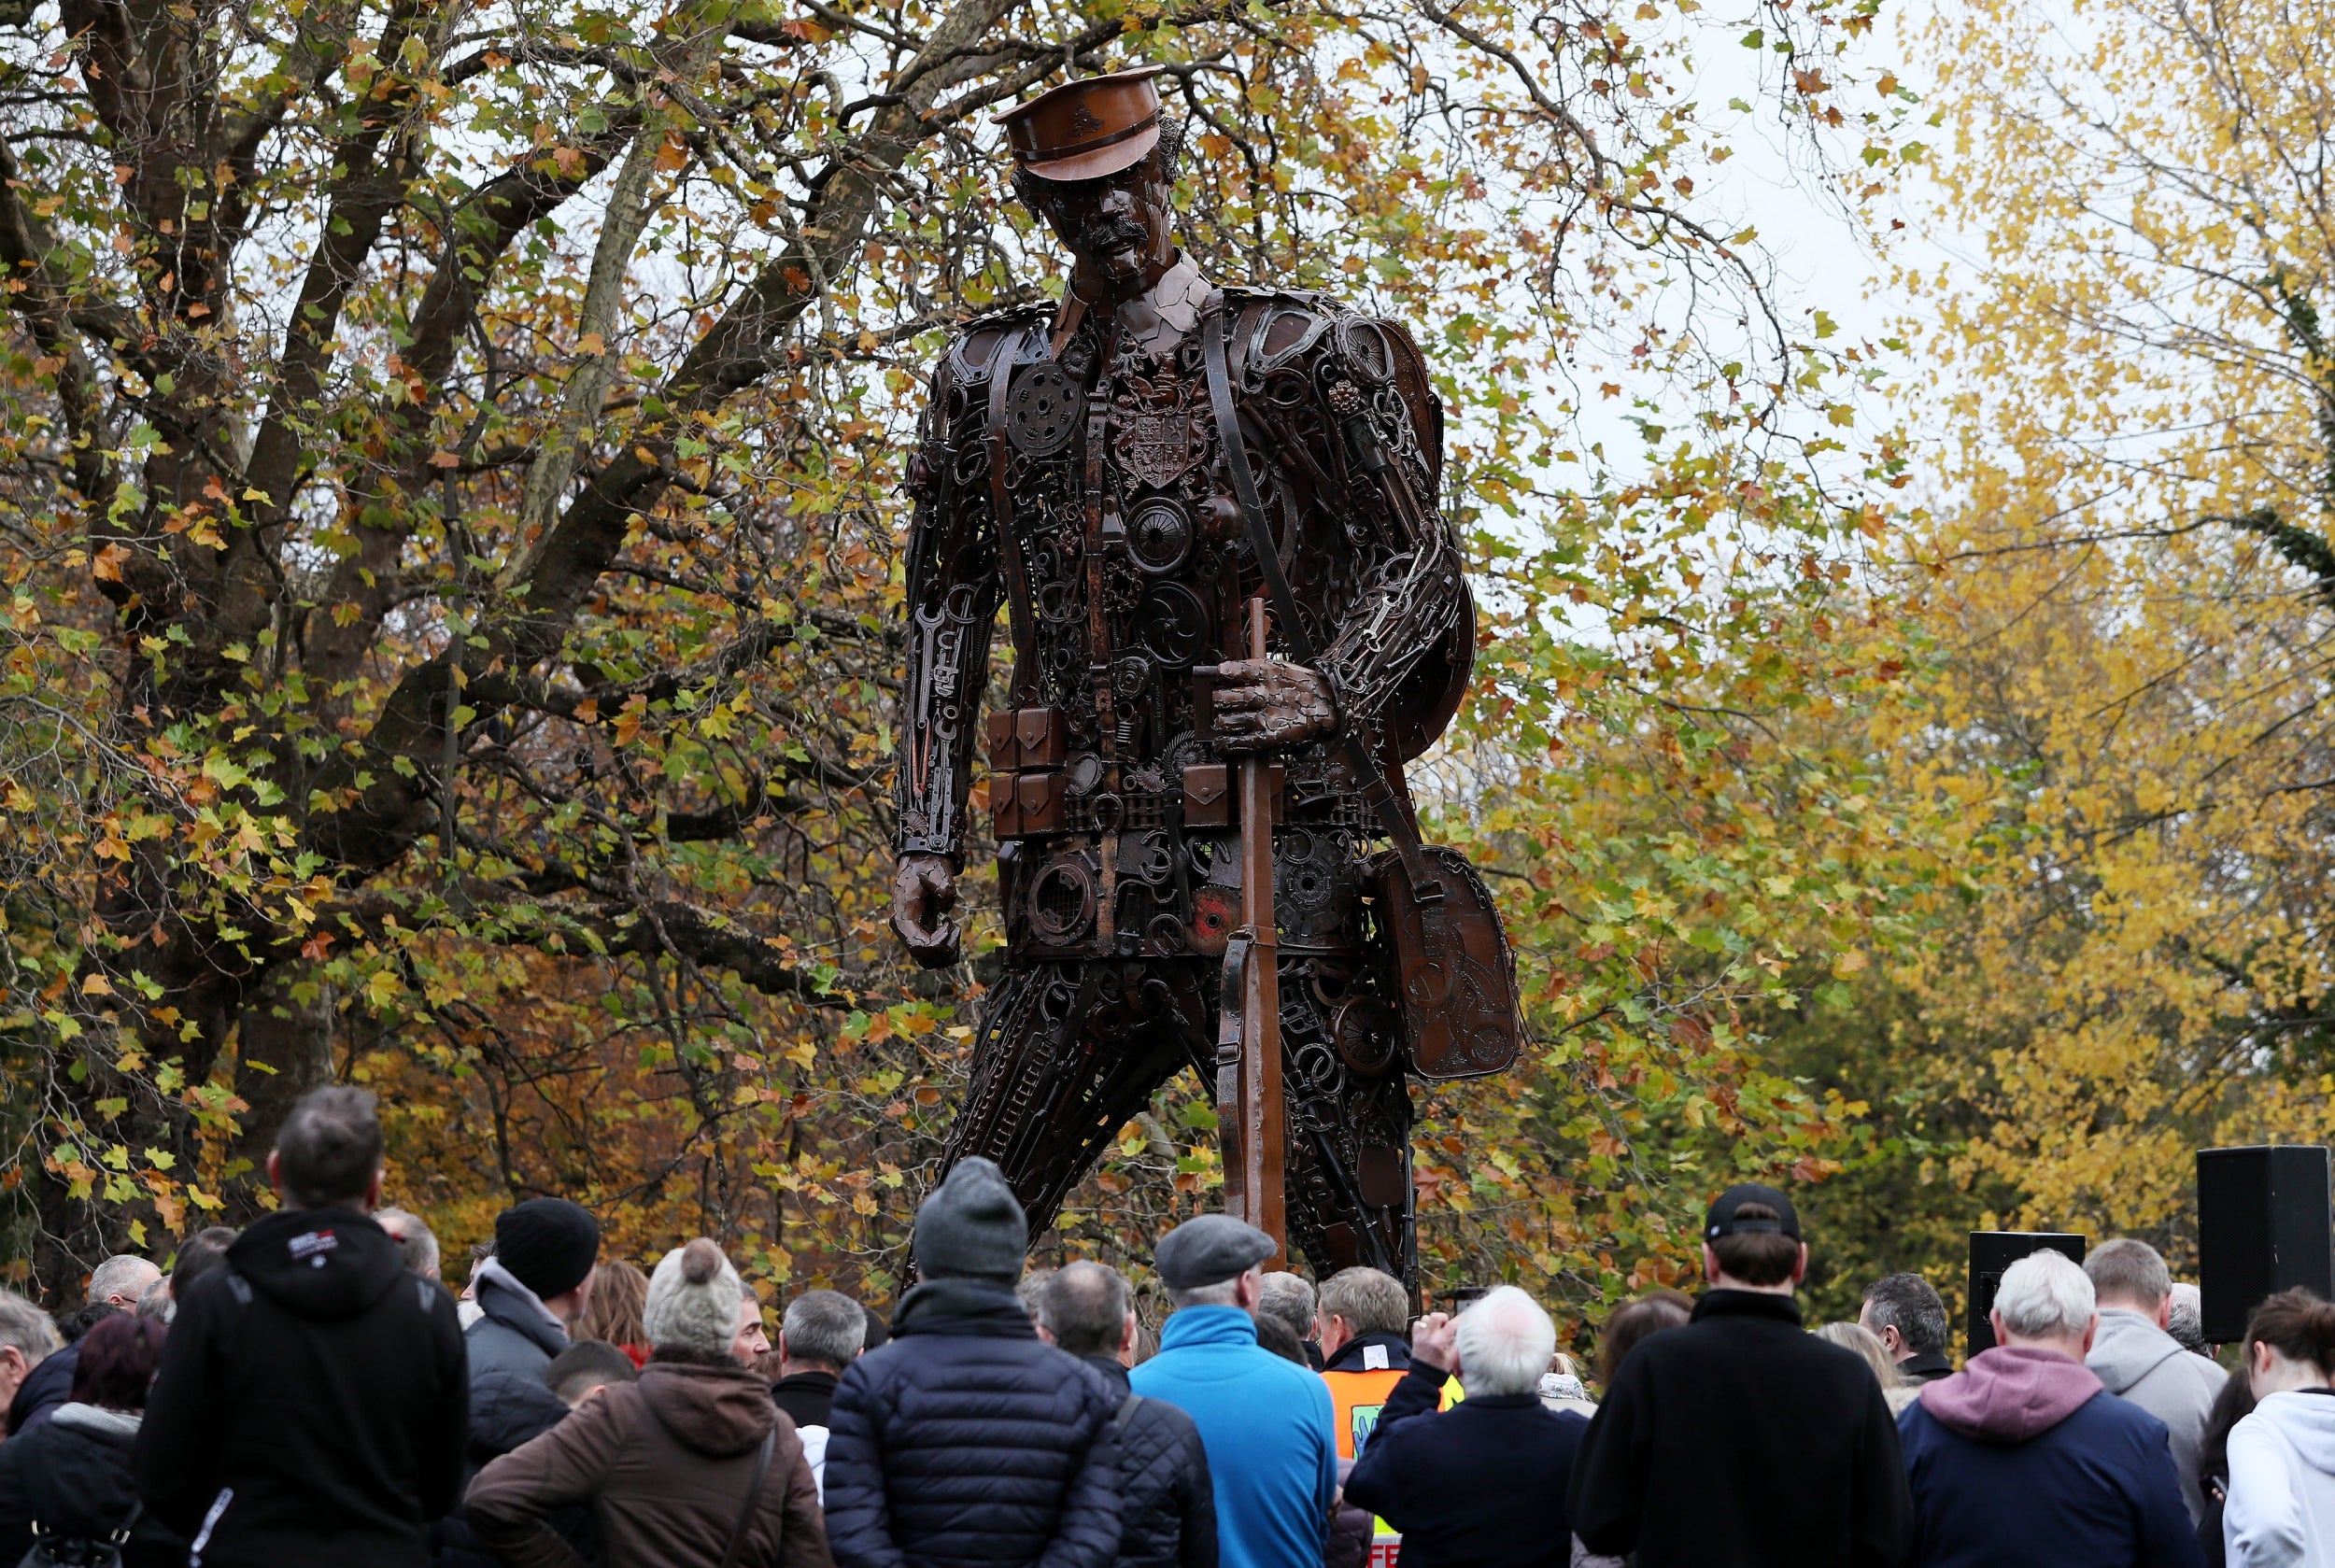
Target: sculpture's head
<point>1096,160</point>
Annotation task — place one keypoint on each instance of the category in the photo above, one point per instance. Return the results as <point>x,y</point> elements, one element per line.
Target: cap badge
<point>1083,119</point>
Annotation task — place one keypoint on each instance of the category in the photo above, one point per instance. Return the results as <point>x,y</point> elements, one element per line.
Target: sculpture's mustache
<point>1112,235</point>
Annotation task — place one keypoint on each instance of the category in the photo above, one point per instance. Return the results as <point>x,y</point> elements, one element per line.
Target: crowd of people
<point>307,1391</point>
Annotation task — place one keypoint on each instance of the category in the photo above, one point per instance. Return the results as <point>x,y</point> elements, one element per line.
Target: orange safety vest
<point>1356,1399</point>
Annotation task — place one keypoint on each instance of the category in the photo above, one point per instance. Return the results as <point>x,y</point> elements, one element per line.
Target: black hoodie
<point>311,1404</point>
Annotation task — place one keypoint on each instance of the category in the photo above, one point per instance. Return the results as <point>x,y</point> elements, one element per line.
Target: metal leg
<point>1068,1053</point>
<point>1350,1194</point>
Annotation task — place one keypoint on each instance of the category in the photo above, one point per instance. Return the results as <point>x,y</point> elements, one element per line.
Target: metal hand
<point>1265,704</point>
<point>924,890</point>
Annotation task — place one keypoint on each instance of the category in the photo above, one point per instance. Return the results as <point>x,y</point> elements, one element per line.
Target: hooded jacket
<point>965,1442</point>
<point>513,1332</point>
<point>1166,1504</point>
<point>1266,1425</point>
<point>2281,1483</point>
<point>71,1474</point>
<point>2142,1364</point>
<point>665,1465</point>
<point>311,1402</point>
<point>1739,1439</point>
<point>2022,1459</point>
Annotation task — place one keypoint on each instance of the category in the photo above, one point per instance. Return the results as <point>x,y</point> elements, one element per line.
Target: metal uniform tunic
<point>1081,486</point>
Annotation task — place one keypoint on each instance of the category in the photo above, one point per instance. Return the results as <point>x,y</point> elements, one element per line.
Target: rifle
<point>1250,1118</point>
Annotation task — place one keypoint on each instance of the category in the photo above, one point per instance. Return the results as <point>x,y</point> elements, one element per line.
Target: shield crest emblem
<point>1157,448</point>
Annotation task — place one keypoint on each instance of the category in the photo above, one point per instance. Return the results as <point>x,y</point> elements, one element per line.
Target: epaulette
<point>1288,324</point>
<point>964,368</point>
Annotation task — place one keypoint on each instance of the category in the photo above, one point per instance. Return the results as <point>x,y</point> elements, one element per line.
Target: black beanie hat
<point>548,1244</point>
<point>972,1225</point>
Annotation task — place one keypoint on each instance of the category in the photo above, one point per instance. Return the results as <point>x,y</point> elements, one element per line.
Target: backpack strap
<point>1127,1408</point>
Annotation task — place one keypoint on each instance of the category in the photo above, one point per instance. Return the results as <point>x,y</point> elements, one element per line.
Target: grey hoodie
<point>2140,1361</point>
<point>2280,1512</point>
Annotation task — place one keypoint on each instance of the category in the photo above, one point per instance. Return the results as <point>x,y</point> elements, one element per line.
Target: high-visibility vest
<point>1356,1399</point>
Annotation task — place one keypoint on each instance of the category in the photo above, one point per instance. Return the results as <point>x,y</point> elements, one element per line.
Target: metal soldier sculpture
<point>1074,468</point>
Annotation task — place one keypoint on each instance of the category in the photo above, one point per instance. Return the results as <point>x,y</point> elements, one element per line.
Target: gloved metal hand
<point>924,890</point>
<point>1270,704</point>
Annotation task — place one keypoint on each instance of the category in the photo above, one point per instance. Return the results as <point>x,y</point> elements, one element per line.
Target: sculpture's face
<point>1117,226</point>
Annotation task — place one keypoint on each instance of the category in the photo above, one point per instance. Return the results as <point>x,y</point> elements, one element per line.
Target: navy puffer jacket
<point>967,1443</point>
<point>1166,1504</point>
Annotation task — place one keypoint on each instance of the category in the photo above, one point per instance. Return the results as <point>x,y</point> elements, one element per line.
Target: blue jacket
<point>1265,1425</point>
<point>1480,1485</point>
<point>2094,1489</point>
<point>967,1443</point>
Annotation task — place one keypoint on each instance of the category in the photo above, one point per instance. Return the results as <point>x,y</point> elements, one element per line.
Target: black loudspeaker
<point>1991,1253</point>
<point>2264,1222</point>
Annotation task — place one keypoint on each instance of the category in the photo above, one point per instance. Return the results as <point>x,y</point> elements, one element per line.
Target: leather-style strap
<point>1215,349</point>
<point>753,1495</point>
<point>1002,363</point>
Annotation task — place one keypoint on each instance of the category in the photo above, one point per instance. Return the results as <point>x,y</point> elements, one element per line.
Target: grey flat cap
<point>1209,1249</point>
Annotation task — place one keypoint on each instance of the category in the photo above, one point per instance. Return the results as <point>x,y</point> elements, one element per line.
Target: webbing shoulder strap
<point>1215,349</point>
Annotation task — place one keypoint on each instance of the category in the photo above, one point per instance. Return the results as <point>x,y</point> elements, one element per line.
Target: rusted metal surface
<point>1161,891</point>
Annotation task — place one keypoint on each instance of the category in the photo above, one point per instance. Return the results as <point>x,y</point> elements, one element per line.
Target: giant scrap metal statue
<point>1137,476</point>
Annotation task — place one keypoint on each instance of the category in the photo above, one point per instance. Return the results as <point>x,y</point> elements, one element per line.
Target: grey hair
<point>1031,1289</point>
<point>1225,1292</point>
<point>1505,1343</point>
<point>156,1305</point>
<point>30,1331</point>
<point>1908,1303</point>
<point>1288,1298</point>
<point>2128,1270</point>
<point>2185,1322</point>
<point>824,1326</point>
<point>124,1274</point>
<point>2045,1295</point>
<point>414,1238</point>
<point>1085,1307</point>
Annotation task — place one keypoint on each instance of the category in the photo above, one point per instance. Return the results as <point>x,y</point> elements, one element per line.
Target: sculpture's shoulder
<point>1283,325</point>
<point>972,348</point>
<point>1279,331</point>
